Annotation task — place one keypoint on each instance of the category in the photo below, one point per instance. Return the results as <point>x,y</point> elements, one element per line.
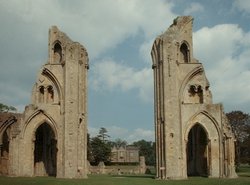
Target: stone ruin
<point>50,137</point>
<point>127,169</point>
<point>193,137</point>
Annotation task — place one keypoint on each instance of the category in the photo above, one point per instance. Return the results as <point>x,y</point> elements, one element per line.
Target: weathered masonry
<point>50,137</point>
<point>193,136</point>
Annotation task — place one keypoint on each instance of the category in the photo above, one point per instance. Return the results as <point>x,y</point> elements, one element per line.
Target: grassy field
<point>244,179</point>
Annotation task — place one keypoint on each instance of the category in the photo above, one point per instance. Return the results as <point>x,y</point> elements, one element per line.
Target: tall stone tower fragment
<point>192,134</point>
<point>51,138</point>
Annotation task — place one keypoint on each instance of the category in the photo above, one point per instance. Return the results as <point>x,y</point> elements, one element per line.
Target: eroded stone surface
<point>51,136</point>
<point>193,136</point>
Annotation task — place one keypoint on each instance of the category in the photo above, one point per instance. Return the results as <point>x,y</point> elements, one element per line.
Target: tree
<point>99,148</point>
<point>146,149</point>
<point>119,143</point>
<point>245,151</point>
<point>6,108</point>
<point>103,134</point>
<point>240,123</point>
<point>100,151</point>
<point>89,149</point>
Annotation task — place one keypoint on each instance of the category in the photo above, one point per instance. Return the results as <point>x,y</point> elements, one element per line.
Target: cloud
<point>141,133</point>
<point>224,51</point>
<point>145,51</point>
<point>242,5</point>
<point>109,75</point>
<point>130,136</point>
<point>99,25</point>
<point>213,41</point>
<point>193,8</point>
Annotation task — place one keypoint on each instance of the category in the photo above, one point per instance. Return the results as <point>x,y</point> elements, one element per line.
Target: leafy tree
<point>6,108</point>
<point>103,134</point>
<point>89,149</point>
<point>119,143</point>
<point>100,151</point>
<point>146,149</point>
<point>240,123</point>
<point>245,151</point>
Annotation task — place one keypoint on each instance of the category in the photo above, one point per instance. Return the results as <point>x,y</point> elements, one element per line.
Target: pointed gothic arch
<point>197,151</point>
<point>185,53</point>
<point>57,55</point>
<point>31,133</point>
<point>50,75</point>
<point>45,151</point>
<point>207,159</point>
<point>196,71</point>
<point>37,118</point>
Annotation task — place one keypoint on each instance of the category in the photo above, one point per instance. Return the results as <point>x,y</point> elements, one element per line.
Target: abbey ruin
<point>193,136</point>
<point>50,137</point>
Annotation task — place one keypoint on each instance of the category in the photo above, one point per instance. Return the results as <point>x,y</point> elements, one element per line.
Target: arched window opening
<point>57,53</point>
<point>196,93</point>
<point>45,151</point>
<point>5,146</point>
<point>50,94</point>
<point>184,53</point>
<point>41,94</point>
<point>197,152</point>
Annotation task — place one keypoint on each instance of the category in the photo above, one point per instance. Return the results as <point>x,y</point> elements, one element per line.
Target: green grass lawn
<point>244,179</point>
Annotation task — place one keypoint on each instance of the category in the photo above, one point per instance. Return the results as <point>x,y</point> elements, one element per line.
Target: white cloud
<point>98,25</point>
<point>193,8</point>
<point>218,42</point>
<point>130,136</point>
<point>224,51</point>
<point>109,75</point>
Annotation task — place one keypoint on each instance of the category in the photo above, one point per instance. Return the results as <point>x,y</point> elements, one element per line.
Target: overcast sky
<point>118,35</point>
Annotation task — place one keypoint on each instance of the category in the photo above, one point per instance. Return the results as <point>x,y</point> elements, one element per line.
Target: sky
<point>118,35</point>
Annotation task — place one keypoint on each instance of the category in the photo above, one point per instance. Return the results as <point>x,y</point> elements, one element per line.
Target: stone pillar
<point>101,166</point>
<point>142,166</point>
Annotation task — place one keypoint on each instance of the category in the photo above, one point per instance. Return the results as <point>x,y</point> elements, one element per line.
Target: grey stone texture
<point>193,136</point>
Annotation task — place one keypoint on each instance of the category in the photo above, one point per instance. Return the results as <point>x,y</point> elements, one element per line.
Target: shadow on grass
<point>244,175</point>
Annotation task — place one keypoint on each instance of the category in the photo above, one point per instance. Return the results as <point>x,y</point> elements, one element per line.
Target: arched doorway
<point>45,151</point>
<point>4,160</point>
<point>197,152</point>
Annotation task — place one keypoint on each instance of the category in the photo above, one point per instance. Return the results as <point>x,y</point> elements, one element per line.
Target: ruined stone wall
<point>183,101</point>
<point>52,138</point>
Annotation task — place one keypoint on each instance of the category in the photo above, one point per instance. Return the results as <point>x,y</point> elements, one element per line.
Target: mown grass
<point>244,171</point>
<point>244,179</point>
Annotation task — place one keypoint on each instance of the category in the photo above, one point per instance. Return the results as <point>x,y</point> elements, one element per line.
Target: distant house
<point>125,154</point>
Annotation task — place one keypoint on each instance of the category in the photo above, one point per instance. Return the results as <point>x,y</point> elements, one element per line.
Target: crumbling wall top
<point>182,25</point>
<point>181,21</point>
